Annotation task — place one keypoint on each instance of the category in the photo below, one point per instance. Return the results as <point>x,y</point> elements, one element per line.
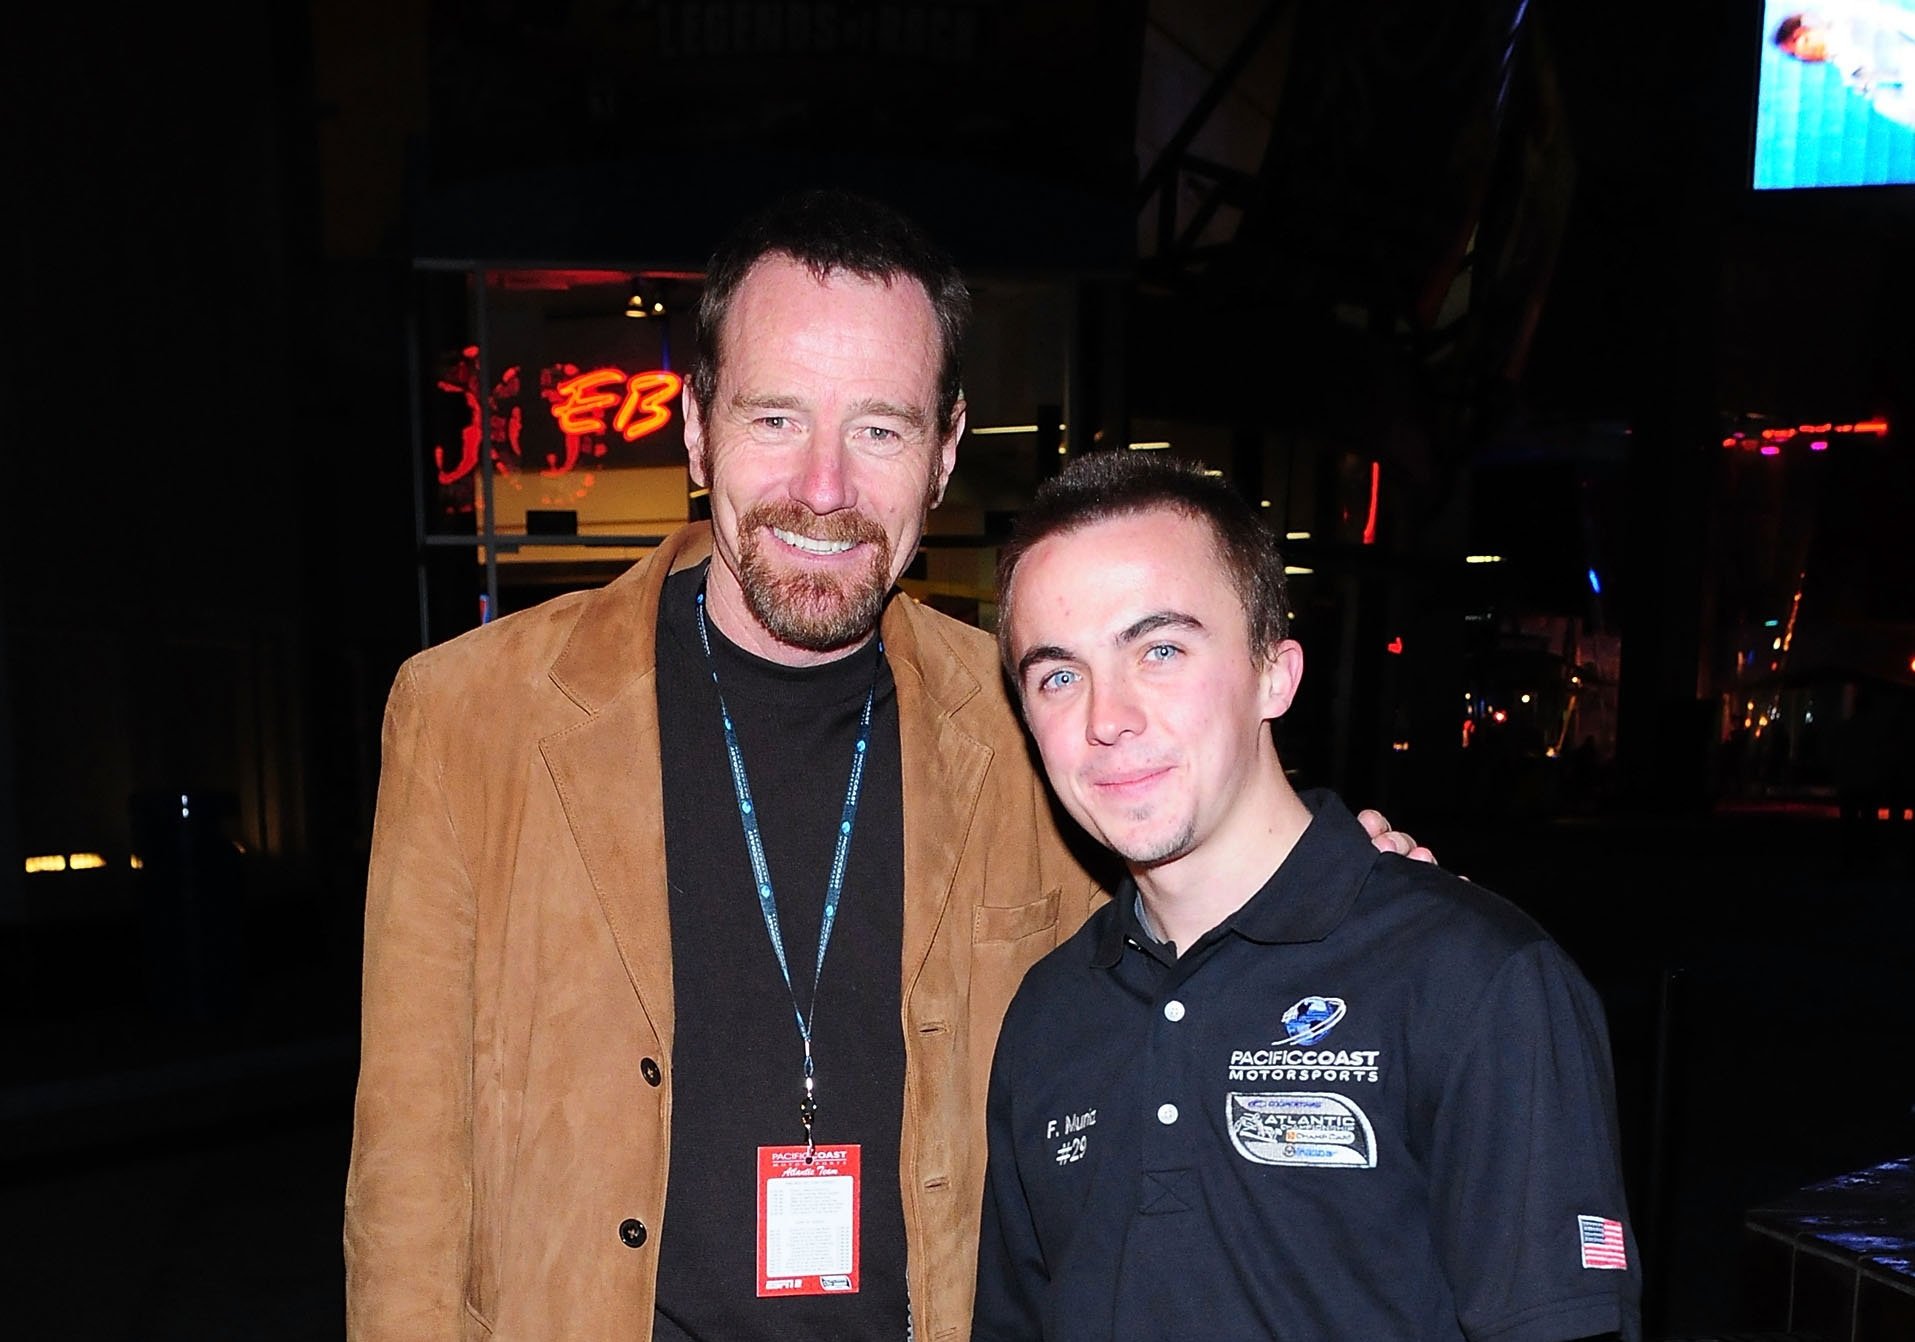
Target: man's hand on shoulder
<point>1389,840</point>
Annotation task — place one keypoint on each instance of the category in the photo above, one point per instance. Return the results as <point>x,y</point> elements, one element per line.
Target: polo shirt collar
<point>1304,899</point>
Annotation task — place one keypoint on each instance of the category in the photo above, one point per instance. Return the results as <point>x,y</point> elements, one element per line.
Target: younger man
<point>1281,1085</point>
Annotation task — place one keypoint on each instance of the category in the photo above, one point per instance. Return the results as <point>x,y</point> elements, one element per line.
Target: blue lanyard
<point>761,874</point>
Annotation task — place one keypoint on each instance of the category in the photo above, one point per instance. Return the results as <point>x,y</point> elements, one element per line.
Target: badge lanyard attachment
<point>761,873</point>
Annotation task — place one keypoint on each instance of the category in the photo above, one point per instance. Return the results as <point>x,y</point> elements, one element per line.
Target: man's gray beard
<point>810,610</point>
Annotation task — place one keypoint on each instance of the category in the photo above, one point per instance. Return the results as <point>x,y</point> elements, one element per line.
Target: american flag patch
<point>1602,1242</point>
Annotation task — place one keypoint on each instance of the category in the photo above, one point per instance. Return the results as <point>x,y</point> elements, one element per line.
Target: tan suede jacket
<point>513,1120</point>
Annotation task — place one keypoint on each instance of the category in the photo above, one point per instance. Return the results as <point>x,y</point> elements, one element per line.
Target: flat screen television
<point>1835,97</point>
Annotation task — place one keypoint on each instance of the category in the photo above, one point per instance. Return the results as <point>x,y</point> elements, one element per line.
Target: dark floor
<point>228,1235</point>
<point>178,1175</point>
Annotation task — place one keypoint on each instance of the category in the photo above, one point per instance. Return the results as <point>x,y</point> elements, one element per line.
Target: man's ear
<point>1280,675</point>
<point>694,438</point>
<point>947,454</point>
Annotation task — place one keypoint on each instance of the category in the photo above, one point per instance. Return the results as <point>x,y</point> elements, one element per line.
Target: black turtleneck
<point>736,1056</point>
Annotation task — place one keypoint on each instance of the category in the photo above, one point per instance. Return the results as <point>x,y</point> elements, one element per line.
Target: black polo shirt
<point>1376,1103</point>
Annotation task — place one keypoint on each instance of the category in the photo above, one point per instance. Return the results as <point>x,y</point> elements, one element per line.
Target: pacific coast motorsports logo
<point>1308,1021</point>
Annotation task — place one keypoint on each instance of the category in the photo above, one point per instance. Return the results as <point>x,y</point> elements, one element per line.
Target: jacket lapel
<point>607,767</point>
<point>943,769</point>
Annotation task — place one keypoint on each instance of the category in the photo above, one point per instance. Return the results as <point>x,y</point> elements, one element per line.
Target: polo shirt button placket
<point>1174,1012</point>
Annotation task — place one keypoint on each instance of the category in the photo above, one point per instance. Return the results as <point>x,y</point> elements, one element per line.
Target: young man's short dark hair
<point>828,232</point>
<point>1102,485</point>
<point>1786,30</point>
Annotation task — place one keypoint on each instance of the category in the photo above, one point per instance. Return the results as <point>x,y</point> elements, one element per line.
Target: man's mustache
<point>789,515</point>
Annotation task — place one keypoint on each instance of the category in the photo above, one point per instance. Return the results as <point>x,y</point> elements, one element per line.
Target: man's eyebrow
<point>910,414</point>
<point>766,400</point>
<point>1043,652</point>
<point>1150,624</point>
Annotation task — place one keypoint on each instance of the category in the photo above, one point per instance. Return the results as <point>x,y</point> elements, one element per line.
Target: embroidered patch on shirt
<point>1602,1242</point>
<point>1301,1128</point>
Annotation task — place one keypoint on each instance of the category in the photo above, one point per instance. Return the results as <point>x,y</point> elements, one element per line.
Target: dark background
<point>209,571</point>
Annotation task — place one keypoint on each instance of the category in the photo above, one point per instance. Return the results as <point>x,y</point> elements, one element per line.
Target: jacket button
<point>649,1070</point>
<point>632,1231</point>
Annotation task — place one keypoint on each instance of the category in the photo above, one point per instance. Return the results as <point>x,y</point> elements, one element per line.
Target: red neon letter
<point>464,380</point>
<point>646,392</point>
<point>580,400</point>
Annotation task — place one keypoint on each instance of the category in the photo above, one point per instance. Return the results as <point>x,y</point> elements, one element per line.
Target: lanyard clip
<point>807,1111</point>
<point>808,1106</point>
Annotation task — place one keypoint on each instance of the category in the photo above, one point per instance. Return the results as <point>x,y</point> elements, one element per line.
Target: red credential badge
<point>808,1220</point>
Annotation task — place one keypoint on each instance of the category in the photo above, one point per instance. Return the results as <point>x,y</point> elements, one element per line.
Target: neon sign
<point>577,401</point>
<point>1769,442</point>
<point>580,398</point>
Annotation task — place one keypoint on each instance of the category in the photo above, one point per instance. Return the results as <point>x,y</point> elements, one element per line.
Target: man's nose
<point>1115,712</point>
<point>823,483</point>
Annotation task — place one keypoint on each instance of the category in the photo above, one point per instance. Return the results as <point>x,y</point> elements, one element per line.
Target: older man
<point>683,974</point>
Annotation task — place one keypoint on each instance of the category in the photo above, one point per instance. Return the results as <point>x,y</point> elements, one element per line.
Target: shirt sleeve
<point>1527,1200</point>
<point>409,1188</point>
<point>1011,1277</point>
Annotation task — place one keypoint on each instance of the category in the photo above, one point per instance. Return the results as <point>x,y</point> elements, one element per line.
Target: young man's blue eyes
<point>1064,677</point>
<point>1058,679</point>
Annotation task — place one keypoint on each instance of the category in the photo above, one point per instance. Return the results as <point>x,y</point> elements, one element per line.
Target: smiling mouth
<point>1134,779</point>
<point>810,545</point>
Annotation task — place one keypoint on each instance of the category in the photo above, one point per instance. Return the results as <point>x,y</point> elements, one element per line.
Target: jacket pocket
<point>1015,922</point>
